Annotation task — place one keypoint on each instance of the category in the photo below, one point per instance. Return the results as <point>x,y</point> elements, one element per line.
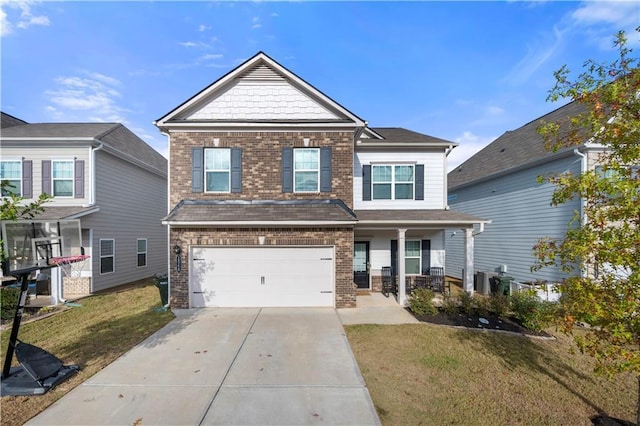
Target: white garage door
<point>262,277</point>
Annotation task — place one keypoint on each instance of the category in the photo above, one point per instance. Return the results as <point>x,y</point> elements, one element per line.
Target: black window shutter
<point>419,181</point>
<point>394,257</point>
<point>426,256</point>
<point>27,179</point>
<point>78,177</point>
<point>366,183</point>
<point>46,177</point>
<point>236,170</point>
<point>287,169</point>
<point>197,170</point>
<point>325,169</point>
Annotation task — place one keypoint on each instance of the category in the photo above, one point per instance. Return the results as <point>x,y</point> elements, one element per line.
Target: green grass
<point>422,374</point>
<point>91,336</point>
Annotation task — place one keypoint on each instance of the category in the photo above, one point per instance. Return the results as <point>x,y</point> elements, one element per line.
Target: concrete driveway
<point>270,366</point>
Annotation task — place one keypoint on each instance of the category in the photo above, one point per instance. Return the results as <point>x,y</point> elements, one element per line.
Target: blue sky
<point>463,71</point>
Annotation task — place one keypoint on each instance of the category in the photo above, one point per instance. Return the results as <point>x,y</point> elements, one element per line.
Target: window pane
<point>13,187</point>
<point>412,248</point>
<point>142,260</point>
<point>381,191</point>
<point>10,170</point>
<point>63,169</point>
<point>412,266</point>
<point>142,245</point>
<point>404,173</point>
<point>306,181</point>
<point>106,265</point>
<point>404,191</point>
<point>217,159</point>
<point>106,247</point>
<point>305,159</point>
<point>218,181</point>
<point>63,188</point>
<point>381,173</point>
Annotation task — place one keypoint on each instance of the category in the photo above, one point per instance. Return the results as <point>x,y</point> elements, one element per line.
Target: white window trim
<point>113,255</point>
<point>393,181</point>
<point>228,171</point>
<point>54,179</point>
<point>12,160</point>
<point>317,171</point>
<point>145,252</point>
<point>419,257</point>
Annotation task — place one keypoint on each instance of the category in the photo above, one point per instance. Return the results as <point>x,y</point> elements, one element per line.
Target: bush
<point>421,302</point>
<point>533,313</point>
<point>481,305</point>
<point>450,304</point>
<point>466,303</point>
<point>9,297</point>
<point>499,304</point>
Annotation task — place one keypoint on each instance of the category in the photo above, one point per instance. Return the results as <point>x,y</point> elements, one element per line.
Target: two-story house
<point>104,175</point>
<point>280,196</point>
<point>500,182</point>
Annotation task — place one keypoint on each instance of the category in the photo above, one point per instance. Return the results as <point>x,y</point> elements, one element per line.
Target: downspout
<point>92,201</point>
<point>169,208</point>
<point>445,202</point>
<point>583,219</point>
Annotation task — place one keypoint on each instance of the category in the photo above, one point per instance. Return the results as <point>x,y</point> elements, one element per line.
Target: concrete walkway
<point>375,308</point>
<point>274,366</point>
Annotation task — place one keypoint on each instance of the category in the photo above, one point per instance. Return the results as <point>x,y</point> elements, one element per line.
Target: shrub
<point>466,303</point>
<point>421,302</point>
<point>481,305</point>
<point>499,304</point>
<point>9,297</point>
<point>533,313</point>
<point>450,304</point>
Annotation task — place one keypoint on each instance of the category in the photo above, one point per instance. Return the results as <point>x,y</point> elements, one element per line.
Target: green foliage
<point>9,297</point>
<point>466,303</point>
<point>481,305</point>
<point>450,304</point>
<point>535,314</point>
<point>499,304</point>
<point>421,302</point>
<point>604,243</point>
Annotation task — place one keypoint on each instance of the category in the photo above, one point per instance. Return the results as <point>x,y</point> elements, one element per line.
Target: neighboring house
<point>280,196</point>
<point>500,183</point>
<point>104,175</point>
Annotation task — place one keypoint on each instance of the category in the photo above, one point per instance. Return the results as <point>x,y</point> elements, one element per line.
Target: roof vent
<point>502,150</point>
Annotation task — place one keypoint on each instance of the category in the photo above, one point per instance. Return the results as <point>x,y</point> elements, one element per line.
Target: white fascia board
<point>45,139</point>
<point>259,224</point>
<point>84,213</point>
<point>430,223</point>
<point>253,126</point>
<point>392,145</point>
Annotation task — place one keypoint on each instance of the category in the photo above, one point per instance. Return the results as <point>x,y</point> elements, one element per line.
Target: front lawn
<point>423,374</point>
<point>91,336</point>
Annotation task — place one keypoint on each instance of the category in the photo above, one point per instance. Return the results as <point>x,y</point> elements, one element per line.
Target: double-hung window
<point>217,169</point>
<point>412,257</point>
<point>142,252</point>
<point>11,171</point>
<point>107,256</point>
<point>393,182</point>
<point>306,169</point>
<point>62,177</point>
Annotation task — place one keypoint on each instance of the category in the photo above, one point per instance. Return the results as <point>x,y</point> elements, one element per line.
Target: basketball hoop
<point>71,266</point>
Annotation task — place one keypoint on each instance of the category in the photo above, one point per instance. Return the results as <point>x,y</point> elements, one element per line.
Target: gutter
<point>92,201</point>
<point>583,170</point>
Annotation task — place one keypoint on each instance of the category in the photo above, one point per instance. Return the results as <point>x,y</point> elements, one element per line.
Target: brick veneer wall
<point>341,238</point>
<point>261,163</point>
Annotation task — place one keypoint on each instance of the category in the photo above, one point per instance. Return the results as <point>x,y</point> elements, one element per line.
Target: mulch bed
<point>484,322</point>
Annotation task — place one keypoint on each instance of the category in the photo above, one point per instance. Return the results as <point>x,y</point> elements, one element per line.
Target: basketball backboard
<point>31,244</point>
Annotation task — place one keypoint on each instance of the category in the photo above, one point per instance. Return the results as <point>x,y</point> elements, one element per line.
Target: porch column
<point>467,282</point>
<point>402,296</point>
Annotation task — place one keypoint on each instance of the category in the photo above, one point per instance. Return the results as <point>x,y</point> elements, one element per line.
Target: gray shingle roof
<point>9,121</point>
<point>400,135</point>
<point>513,149</point>
<point>115,135</point>
<point>433,216</point>
<point>260,211</point>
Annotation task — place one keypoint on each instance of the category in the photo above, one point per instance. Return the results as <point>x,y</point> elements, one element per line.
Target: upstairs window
<point>11,171</point>
<point>62,177</point>
<point>393,182</point>
<point>306,169</point>
<point>217,169</point>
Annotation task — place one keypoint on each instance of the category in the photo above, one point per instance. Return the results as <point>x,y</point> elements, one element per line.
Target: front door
<point>361,264</point>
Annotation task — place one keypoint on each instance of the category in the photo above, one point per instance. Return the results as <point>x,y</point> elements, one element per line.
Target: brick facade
<point>261,163</point>
<point>340,238</point>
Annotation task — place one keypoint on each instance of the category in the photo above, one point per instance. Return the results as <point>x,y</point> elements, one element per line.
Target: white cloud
<point>600,21</point>
<point>194,44</point>
<point>469,145</point>
<point>10,19</point>
<point>256,23</point>
<point>91,96</point>
<point>204,27</point>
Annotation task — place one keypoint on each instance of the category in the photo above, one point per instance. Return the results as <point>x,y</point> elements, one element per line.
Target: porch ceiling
<point>416,218</point>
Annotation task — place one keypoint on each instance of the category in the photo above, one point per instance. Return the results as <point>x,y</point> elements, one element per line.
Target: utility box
<point>504,285</point>
<point>483,284</point>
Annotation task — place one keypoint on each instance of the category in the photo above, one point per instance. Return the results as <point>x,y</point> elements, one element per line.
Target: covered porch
<point>410,246</point>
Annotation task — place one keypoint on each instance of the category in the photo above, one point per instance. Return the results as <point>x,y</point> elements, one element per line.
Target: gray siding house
<point>500,183</point>
<point>104,175</point>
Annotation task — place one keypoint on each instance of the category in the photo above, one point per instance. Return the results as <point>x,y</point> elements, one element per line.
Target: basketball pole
<point>17,319</point>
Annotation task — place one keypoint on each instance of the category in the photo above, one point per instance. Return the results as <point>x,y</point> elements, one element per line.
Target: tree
<point>603,244</point>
